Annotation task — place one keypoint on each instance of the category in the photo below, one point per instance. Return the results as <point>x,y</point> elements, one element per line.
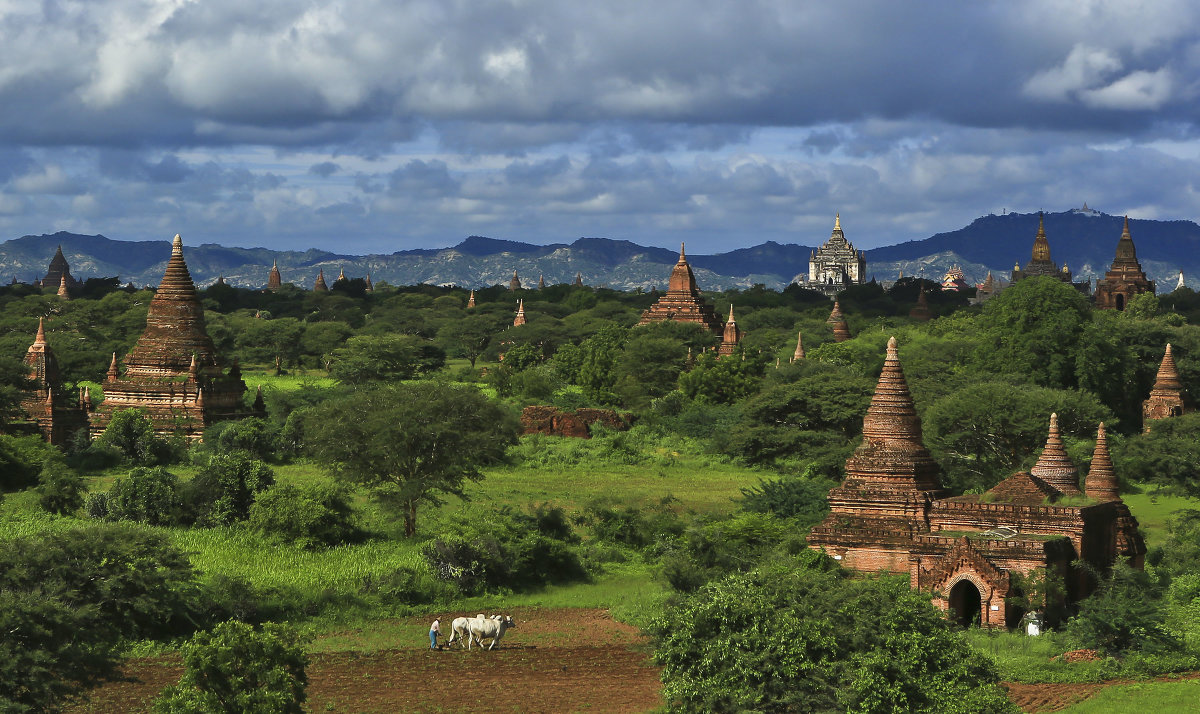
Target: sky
<point>371,126</point>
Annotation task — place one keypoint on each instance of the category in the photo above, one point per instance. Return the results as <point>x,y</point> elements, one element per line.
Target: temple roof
<point>682,279</point>
<point>1054,466</point>
<point>1041,246</point>
<point>175,329</point>
<point>1024,488</point>
<point>319,284</point>
<point>1126,252</point>
<point>892,419</point>
<point>1167,379</point>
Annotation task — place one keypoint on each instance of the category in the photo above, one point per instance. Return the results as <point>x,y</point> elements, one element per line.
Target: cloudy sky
<point>382,125</point>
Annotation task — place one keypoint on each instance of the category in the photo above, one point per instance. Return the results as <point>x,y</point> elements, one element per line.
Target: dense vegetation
<point>385,404</point>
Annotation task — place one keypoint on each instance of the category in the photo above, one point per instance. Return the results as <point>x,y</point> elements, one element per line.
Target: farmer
<point>434,630</point>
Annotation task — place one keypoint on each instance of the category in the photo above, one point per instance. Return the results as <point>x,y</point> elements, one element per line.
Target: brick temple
<point>891,515</point>
<point>173,372</point>
<point>1125,277</point>
<point>683,303</point>
<point>48,405</point>
<point>1166,397</point>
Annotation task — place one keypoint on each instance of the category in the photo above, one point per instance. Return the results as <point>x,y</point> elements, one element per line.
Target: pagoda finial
<point>682,257</point>
<point>113,373</point>
<point>177,245</point>
<point>471,299</point>
<point>1101,483</point>
<point>275,263</point>
<point>1054,466</point>
<point>62,287</point>
<point>49,395</point>
<point>730,313</point>
<point>40,339</point>
<point>799,353</point>
<point>837,222</point>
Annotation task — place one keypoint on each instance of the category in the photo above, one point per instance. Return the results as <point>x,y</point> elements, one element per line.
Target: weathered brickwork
<point>554,422</point>
<point>1124,279</point>
<point>683,303</point>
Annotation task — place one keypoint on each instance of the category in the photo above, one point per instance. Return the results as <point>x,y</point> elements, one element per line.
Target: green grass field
<point>1160,697</point>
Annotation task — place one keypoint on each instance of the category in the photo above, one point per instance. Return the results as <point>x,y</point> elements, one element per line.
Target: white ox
<point>482,629</point>
<point>459,631</point>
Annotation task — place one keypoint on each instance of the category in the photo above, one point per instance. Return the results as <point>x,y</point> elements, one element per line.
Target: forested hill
<point>1084,240</point>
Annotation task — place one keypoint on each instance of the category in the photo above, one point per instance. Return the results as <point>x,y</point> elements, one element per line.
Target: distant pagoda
<point>836,265</point>
<point>1167,397</point>
<point>683,303</point>
<point>57,272</point>
<point>1040,262</point>
<point>173,372</point>
<point>319,285</point>
<point>731,336</point>
<point>1125,278</point>
<point>837,323</point>
<point>274,280</point>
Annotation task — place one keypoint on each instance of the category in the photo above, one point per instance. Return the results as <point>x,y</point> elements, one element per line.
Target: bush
<point>60,490</point>
<point>146,495</point>
<point>309,516</point>
<point>631,526</point>
<point>710,550</point>
<point>131,433</point>
<point>807,639</point>
<point>236,668</point>
<point>222,492</point>
<point>21,460</point>
<point>503,548</point>
<point>257,437</point>
<point>406,586</point>
<point>1123,615</point>
<point>805,500</point>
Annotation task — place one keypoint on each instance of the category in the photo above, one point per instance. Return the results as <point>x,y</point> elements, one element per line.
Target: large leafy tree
<point>411,443</point>
<point>376,358</point>
<point>807,639</point>
<point>1031,329</point>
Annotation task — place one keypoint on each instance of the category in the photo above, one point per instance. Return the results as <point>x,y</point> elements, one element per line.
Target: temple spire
<point>113,372</point>
<point>1054,466</point>
<point>471,299</point>
<point>841,330</point>
<point>520,318</point>
<point>892,420</point>
<point>799,353</point>
<point>837,222</point>
<point>1101,483</point>
<point>40,339</point>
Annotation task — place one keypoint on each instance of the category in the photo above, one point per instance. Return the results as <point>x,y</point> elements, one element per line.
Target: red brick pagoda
<point>48,405</point>
<point>891,515</point>
<point>1166,398</point>
<point>274,280</point>
<point>683,303</point>
<point>837,322</point>
<point>173,372</point>
<point>1124,279</point>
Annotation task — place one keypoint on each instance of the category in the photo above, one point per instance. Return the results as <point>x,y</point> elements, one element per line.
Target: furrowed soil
<point>552,661</point>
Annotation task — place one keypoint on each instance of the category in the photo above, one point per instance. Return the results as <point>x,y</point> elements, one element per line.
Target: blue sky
<point>382,125</point>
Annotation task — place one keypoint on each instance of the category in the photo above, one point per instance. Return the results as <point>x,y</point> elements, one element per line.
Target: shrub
<point>406,586</point>
<point>236,668</point>
<point>805,500</point>
<point>257,437</point>
<point>710,550</point>
<point>631,526</point>
<point>131,433</point>
<point>807,639</point>
<point>60,490</point>
<point>506,548</point>
<point>1123,615</point>
<point>309,516</point>
<point>21,460</point>
<point>146,495</point>
<point>221,493</point>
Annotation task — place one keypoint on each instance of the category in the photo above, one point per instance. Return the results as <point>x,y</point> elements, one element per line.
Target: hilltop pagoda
<point>683,303</point>
<point>890,514</point>
<point>1125,278</point>
<point>173,372</point>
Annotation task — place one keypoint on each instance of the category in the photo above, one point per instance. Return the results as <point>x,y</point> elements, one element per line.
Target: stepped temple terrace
<point>890,514</point>
<point>1124,279</point>
<point>173,372</point>
<point>683,303</point>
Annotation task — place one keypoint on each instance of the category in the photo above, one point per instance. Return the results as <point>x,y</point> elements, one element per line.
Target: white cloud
<point>1084,68</point>
<point>1135,91</point>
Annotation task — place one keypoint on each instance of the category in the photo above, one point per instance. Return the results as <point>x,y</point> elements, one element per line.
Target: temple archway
<point>966,603</point>
<point>1120,301</point>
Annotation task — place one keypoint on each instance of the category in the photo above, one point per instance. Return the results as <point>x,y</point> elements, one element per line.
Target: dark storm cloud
<point>325,169</point>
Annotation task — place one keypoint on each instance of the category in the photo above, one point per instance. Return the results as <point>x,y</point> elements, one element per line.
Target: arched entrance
<point>965,603</point>
<point>1120,301</point>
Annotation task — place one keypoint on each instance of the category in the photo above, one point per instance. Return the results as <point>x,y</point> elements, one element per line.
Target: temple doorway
<point>1120,301</point>
<point>966,603</point>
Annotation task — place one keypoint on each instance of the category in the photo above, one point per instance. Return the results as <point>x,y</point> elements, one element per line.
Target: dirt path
<point>554,661</point>
<point>1039,698</point>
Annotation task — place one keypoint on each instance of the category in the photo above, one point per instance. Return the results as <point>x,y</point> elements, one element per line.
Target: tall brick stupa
<point>683,302</point>
<point>174,372</point>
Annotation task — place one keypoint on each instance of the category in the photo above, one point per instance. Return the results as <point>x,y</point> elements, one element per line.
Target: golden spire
<point>837,222</point>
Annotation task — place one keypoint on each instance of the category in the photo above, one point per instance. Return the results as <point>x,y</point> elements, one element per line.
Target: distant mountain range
<point>1085,239</point>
